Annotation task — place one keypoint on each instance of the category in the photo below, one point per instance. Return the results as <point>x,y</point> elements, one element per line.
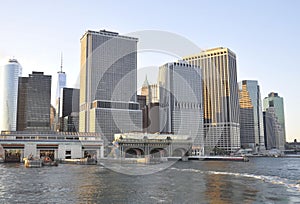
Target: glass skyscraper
<point>61,83</point>
<point>220,98</point>
<point>251,116</point>
<point>275,102</point>
<point>9,77</point>
<point>274,133</point>
<point>108,84</point>
<point>181,112</point>
<point>34,102</point>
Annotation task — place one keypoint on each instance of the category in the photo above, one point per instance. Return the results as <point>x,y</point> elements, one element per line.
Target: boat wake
<point>290,184</point>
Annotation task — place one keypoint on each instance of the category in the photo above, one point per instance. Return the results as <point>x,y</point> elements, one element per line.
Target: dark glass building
<point>34,101</point>
<point>69,110</point>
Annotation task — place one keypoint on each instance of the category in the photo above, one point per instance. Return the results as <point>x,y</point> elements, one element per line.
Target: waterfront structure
<point>155,145</point>
<point>220,98</point>
<point>108,84</point>
<point>273,131</point>
<point>57,145</point>
<point>69,110</point>
<point>251,116</point>
<point>61,83</point>
<point>275,101</point>
<point>180,106</point>
<point>151,91</point>
<point>9,77</point>
<point>34,101</point>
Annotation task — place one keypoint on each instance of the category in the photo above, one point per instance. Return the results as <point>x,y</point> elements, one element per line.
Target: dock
<point>211,158</point>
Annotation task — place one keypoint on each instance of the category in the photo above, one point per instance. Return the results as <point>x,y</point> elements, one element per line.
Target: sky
<point>263,34</point>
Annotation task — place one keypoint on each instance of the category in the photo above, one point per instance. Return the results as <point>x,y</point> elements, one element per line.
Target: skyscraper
<point>275,101</point>
<point>220,98</point>
<point>61,83</point>
<point>69,104</point>
<point>151,91</point>
<point>34,101</point>
<point>251,116</point>
<point>181,101</point>
<point>9,77</point>
<point>273,131</point>
<point>108,84</point>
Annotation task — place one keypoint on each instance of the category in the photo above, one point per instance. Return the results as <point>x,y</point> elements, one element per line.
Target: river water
<point>262,180</point>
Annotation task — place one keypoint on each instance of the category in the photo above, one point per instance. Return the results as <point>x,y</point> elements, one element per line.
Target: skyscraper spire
<point>61,61</point>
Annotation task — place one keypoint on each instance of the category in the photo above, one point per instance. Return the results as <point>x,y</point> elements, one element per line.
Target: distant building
<point>275,101</point>
<point>180,107</point>
<point>150,115</point>
<point>69,110</point>
<point>9,77</point>
<point>142,101</point>
<point>151,91</point>
<point>61,83</point>
<point>220,98</point>
<point>108,84</point>
<point>34,100</point>
<point>251,116</point>
<point>52,118</point>
<point>274,133</point>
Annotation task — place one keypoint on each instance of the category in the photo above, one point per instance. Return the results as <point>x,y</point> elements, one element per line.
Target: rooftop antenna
<point>61,61</point>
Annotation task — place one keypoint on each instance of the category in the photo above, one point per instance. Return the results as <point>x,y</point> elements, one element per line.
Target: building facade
<point>34,101</point>
<point>220,98</point>
<point>69,110</point>
<point>151,91</point>
<point>108,84</point>
<point>57,145</point>
<point>273,131</point>
<point>9,77</point>
<point>251,115</point>
<point>275,101</point>
<point>180,107</point>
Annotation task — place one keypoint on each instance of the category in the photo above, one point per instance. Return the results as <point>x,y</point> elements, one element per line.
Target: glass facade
<point>34,101</point>
<point>251,119</point>
<point>9,78</point>
<point>274,100</point>
<point>220,98</point>
<point>181,110</point>
<point>274,133</point>
<point>108,73</point>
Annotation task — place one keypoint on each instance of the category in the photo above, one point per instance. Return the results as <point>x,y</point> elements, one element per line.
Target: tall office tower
<point>181,101</point>
<point>9,77</point>
<point>61,83</point>
<point>69,104</point>
<point>151,91</point>
<point>34,102</point>
<point>274,100</point>
<point>273,131</point>
<point>220,98</point>
<point>108,84</point>
<point>251,115</point>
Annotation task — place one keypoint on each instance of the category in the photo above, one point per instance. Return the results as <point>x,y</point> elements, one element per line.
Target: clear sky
<point>263,34</point>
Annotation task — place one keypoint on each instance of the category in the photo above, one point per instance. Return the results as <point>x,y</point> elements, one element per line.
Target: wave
<point>291,184</point>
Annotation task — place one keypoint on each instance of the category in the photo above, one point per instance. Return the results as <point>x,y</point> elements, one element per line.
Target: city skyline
<point>259,46</point>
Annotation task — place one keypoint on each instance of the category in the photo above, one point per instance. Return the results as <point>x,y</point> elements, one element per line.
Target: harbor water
<point>261,180</point>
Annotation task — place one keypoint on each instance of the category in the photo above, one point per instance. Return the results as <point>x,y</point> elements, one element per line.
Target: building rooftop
<point>108,33</point>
